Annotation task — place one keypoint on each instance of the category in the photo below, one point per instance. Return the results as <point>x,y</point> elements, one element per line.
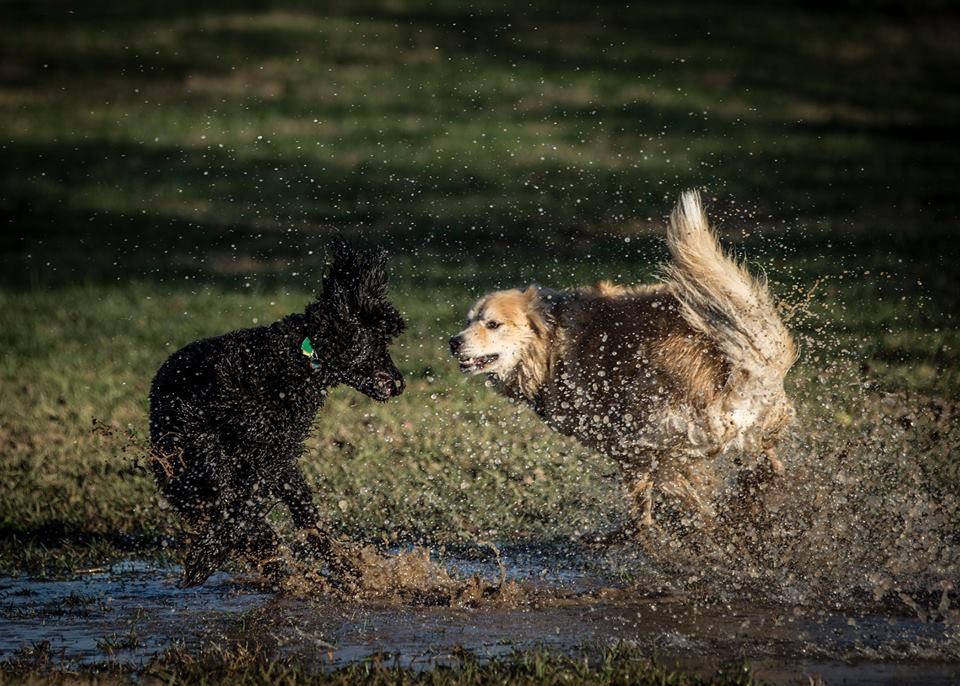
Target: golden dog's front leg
<point>776,466</point>
<point>689,491</point>
<point>641,499</point>
<point>639,485</point>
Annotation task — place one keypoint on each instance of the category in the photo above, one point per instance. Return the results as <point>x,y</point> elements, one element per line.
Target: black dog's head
<point>361,323</point>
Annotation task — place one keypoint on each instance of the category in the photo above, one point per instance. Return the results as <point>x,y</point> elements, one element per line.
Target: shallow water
<point>128,611</point>
<point>93,616</point>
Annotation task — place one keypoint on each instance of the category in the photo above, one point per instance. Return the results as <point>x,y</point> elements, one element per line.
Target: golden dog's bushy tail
<point>719,298</point>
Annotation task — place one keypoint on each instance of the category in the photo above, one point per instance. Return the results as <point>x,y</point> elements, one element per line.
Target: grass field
<point>254,665</point>
<point>174,171</point>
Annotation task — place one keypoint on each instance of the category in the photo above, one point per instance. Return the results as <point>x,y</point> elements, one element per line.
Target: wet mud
<point>411,577</point>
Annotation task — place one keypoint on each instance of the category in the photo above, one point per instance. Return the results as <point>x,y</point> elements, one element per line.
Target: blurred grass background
<point>174,170</point>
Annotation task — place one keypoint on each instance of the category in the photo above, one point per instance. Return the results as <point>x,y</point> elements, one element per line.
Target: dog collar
<point>307,349</point>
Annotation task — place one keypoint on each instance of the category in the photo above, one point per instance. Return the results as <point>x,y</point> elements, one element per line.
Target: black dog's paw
<point>201,562</point>
<point>194,576</point>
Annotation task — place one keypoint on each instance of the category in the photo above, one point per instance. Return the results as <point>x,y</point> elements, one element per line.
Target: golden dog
<point>658,377</point>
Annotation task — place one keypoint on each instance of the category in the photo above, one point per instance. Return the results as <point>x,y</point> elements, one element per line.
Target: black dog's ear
<point>331,302</point>
<point>375,278</point>
<point>337,300</point>
<point>341,249</point>
<point>361,275</point>
<point>337,278</point>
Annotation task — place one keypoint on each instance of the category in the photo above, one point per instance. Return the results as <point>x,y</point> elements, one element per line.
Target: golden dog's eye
<point>493,325</point>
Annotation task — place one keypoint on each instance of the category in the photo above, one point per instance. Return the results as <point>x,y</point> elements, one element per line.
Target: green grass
<point>254,664</point>
<point>174,173</point>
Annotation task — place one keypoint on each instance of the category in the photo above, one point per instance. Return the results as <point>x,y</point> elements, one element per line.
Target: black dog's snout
<point>456,342</point>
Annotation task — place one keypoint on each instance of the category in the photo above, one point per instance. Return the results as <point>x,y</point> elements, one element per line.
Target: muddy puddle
<point>128,612</point>
<point>132,611</point>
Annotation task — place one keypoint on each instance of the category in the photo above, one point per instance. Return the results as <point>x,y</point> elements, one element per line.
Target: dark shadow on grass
<point>55,534</point>
<point>49,243</point>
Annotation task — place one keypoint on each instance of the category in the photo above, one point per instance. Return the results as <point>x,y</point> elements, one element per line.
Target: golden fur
<point>658,377</point>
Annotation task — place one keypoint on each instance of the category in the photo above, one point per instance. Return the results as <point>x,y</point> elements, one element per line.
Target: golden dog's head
<point>502,329</point>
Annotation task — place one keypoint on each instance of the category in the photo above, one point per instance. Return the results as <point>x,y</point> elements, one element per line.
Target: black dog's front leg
<point>294,491</point>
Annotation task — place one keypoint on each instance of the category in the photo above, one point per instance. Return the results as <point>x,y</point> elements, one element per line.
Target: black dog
<point>229,415</point>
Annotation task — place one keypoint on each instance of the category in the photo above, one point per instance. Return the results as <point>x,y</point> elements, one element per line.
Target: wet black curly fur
<point>229,415</point>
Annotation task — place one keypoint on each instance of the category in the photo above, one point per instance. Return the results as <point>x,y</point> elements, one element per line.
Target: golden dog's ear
<point>536,324</point>
<point>535,318</point>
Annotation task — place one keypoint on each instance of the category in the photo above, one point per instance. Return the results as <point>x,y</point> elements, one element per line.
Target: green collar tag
<point>307,349</point>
